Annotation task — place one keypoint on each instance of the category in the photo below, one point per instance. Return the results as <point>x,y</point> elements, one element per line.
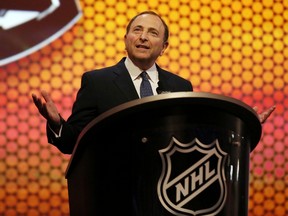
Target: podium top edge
<point>171,96</point>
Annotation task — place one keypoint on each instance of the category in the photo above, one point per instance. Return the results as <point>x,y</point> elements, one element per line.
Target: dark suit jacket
<point>104,89</point>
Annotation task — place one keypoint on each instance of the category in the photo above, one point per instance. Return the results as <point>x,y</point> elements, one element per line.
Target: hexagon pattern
<point>235,48</point>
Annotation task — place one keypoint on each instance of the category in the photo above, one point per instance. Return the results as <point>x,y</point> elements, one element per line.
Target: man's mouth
<point>142,46</point>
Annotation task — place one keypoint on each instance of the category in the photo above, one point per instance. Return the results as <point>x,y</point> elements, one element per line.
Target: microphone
<point>161,89</point>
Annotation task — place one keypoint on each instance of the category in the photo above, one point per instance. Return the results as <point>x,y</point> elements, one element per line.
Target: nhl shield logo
<point>192,181</point>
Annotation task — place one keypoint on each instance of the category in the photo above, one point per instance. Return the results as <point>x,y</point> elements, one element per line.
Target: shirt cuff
<point>55,134</point>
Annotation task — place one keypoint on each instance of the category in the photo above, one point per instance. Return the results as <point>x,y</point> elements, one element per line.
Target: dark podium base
<point>174,154</point>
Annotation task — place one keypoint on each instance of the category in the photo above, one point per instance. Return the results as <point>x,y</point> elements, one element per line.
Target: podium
<point>181,153</point>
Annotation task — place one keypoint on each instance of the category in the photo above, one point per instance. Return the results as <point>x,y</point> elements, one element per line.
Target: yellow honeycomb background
<point>235,48</point>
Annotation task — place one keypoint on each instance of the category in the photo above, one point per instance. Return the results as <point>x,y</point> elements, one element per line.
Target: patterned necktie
<point>145,87</point>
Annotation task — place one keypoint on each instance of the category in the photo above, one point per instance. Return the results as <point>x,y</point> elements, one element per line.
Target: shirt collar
<point>134,71</point>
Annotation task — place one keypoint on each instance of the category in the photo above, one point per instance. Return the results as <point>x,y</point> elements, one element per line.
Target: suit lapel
<point>123,81</point>
<point>164,79</point>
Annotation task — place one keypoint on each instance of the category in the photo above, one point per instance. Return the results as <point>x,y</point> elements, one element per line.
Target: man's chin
<point>142,61</point>
<point>142,57</point>
<point>142,54</point>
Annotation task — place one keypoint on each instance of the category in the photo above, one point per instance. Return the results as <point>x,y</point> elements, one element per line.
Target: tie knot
<point>144,75</point>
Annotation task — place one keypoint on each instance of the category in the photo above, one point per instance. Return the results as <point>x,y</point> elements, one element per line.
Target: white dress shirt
<point>135,72</point>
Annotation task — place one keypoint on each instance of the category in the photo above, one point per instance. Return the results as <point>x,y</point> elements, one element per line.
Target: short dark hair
<point>166,29</point>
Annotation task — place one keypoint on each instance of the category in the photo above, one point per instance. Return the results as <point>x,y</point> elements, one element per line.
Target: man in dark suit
<point>146,39</point>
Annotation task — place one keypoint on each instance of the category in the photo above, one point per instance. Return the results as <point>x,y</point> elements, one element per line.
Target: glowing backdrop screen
<point>235,48</point>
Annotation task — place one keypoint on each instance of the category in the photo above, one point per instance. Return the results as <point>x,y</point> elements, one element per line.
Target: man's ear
<point>165,45</point>
<point>125,36</point>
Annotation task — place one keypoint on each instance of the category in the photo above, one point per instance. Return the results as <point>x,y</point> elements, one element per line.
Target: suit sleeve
<point>83,111</point>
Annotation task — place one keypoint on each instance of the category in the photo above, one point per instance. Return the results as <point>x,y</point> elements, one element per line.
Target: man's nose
<point>144,35</point>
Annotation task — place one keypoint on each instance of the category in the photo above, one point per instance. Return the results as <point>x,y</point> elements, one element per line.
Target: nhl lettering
<point>197,179</point>
<point>183,191</point>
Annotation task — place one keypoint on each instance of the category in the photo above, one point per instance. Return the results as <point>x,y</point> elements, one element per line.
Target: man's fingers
<point>40,105</point>
<point>270,110</point>
<point>46,96</point>
<point>37,101</point>
<point>264,116</point>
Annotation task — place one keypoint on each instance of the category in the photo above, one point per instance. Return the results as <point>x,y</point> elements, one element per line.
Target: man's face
<point>145,40</point>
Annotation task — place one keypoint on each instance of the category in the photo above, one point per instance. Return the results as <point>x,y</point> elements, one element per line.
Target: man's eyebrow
<point>150,28</point>
<point>153,29</point>
<point>137,26</point>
